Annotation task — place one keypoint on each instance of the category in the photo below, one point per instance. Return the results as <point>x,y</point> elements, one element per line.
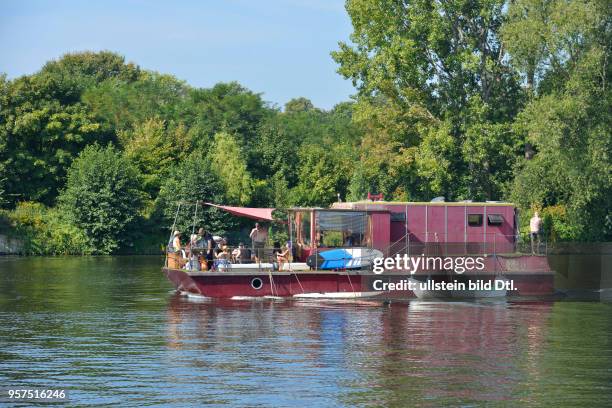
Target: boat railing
<point>194,258</point>
<point>441,244</point>
<point>496,244</point>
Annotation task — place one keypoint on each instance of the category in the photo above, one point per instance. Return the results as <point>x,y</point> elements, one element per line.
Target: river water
<point>111,332</point>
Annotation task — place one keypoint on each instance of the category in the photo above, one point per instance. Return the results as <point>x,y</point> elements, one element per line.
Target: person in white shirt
<point>259,237</point>
<point>535,226</point>
<point>176,241</point>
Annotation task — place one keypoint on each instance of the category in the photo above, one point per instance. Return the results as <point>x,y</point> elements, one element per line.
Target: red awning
<point>262,214</point>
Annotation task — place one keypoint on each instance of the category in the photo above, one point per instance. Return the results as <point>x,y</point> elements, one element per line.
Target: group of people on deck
<point>207,252</point>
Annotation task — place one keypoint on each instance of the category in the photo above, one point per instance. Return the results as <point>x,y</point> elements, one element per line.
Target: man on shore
<point>535,225</point>
<point>258,236</point>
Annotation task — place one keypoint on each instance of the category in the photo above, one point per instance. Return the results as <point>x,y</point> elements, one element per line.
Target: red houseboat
<point>364,231</point>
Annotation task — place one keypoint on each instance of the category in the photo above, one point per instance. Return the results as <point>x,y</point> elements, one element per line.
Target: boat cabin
<point>441,228</point>
<point>428,228</point>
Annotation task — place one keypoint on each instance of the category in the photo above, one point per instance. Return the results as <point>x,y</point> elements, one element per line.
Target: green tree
<point>436,161</point>
<point>44,124</point>
<point>3,198</point>
<point>102,196</point>
<point>524,34</point>
<point>40,139</point>
<point>281,136</point>
<point>386,153</point>
<point>358,187</point>
<point>432,55</point>
<point>226,107</point>
<point>277,142</point>
<point>191,181</point>
<point>154,148</point>
<point>420,68</point>
<point>80,70</point>
<point>567,120</point>
<point>324,172</point>
<point>122,105</point>
<point>227,161</point>
<point>298,105</point>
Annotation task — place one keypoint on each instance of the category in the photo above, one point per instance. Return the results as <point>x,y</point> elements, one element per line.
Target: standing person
<point>259,236</point>
<point>535,226</point>
<point>193,263</point>
<point>205,241</point>
<point>193,239</point>
<point>175,258</point>
<point>176,241</point>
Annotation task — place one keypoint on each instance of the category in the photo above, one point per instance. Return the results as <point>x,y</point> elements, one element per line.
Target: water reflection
<point>432,352</point>
<point>112,332</point>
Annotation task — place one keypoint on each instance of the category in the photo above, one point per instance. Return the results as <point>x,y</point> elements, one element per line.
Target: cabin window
<point>474,220</point>
<point>495,219</point>
<point>341,228</point>
<point>398,217</point>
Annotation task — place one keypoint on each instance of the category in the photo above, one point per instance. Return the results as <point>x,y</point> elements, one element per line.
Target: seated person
<point>245,254</point>
<point>223,258</point>
<point>191,260</point>
<point>193,263</point>
<point>240,254</point>
<point>223,253</point>
<point>283,257</point>
<point>236,254</point>
<point>351,239</point>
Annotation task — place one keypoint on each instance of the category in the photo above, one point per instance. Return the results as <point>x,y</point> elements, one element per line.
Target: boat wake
<point>195,297</point>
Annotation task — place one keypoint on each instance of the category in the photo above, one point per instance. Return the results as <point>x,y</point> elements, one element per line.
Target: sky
<point>280,48</point>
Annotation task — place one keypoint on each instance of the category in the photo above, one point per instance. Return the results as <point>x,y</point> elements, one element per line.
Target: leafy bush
<point>556,224</point>
<point>44,231</point>
<point>102,197</point>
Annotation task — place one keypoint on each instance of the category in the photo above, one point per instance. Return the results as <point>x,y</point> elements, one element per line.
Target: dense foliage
<point>487,100</point>
<point>481,100</point>
<point>102,197</point>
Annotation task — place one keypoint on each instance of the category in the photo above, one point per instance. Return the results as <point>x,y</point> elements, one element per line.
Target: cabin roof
<point>379,206</point>
<point>349,205</point>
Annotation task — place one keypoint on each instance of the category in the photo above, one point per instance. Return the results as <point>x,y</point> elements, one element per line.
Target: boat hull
<point>283,284</point>
<point>530,276</point>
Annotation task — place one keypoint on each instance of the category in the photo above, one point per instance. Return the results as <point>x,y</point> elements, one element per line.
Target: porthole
<point>256,283</point>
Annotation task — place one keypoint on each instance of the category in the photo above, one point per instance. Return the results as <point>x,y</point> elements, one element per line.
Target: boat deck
<point>262,271</point>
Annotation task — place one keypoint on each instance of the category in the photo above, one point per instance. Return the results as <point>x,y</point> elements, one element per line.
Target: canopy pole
<point>195,217</point>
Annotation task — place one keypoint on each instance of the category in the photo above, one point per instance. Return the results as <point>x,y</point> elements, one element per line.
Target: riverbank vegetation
<point>486,100</point>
